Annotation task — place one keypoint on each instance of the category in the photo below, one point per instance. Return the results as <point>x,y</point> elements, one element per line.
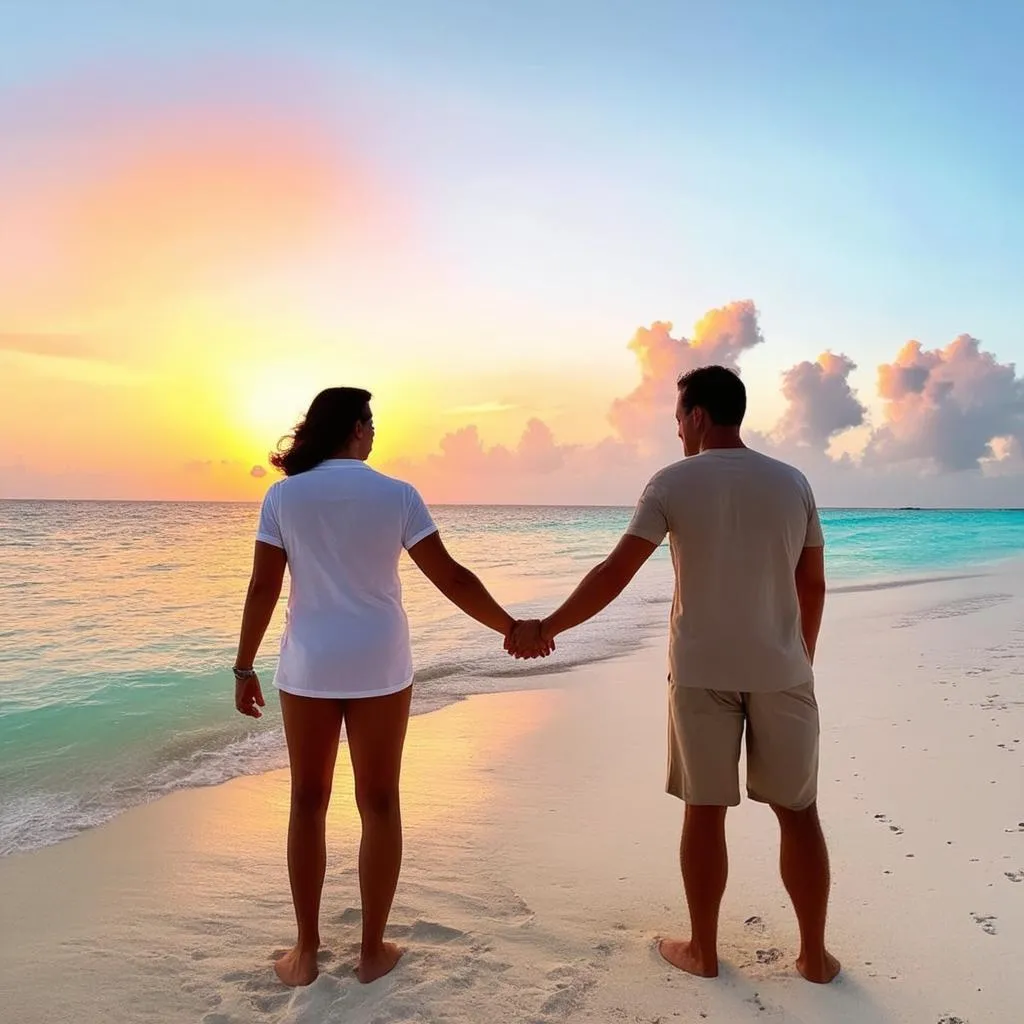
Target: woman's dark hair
<point>324,431</point>
<point>718,391</point>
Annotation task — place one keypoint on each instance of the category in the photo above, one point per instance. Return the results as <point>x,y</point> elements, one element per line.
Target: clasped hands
<point>528,639</point>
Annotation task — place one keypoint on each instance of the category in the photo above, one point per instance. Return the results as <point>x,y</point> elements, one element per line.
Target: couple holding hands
<point>747,550</point>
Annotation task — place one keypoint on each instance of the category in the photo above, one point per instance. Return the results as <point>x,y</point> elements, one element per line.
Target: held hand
<point>249,697</point>
<point>527,640</point>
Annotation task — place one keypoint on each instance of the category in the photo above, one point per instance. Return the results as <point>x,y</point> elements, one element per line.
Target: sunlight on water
<point>120,620</point>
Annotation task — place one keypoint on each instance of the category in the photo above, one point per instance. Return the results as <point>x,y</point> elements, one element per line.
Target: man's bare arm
<point>600,586</point>
<point>810,590</point>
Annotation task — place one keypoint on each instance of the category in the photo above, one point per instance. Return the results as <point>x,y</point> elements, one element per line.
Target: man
<point>749,592</point>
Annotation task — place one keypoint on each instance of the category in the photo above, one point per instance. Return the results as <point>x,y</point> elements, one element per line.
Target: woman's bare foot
<point>821,970</point>
<point>682,955</point>
<point>297,967</point>
<point>375,965</point>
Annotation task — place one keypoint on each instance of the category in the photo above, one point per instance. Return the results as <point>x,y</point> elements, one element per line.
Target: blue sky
<point>584,168</point>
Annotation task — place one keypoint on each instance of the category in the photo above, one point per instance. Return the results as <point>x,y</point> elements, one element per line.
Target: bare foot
<point>820,970</point>
<point>681,954</point>
<point>297,967</point>
<point>376,965</point>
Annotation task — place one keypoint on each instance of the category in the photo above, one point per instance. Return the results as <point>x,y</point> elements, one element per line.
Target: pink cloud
<point>944,407</point>
<point>821,402</point>
<point>721,336</point>
<point>1005,458</point>
<point>537,469</point>
<point>957,406</point>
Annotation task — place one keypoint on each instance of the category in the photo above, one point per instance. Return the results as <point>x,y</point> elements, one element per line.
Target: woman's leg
<point>375,727</point>
<point>312,727</point>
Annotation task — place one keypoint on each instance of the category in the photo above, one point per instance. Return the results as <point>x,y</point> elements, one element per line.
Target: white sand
<point>541,859</point>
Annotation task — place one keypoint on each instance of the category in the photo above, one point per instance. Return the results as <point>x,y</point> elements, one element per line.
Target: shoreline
<point>259,750</point>
<point>541,857</point>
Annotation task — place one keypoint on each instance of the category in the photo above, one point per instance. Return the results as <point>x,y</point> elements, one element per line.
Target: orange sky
<point>168,283</point>
<point>181,272</point>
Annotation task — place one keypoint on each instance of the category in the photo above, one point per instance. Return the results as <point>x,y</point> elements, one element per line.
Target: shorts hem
<point>688,799</point>
<point>296,691</point>
<point>801,806</point>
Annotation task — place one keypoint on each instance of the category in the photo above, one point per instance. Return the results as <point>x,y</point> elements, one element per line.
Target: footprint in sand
<point>755,924</point>
<point>986,922</point>
<point>1015,876</point>
<point>271,1002</point>
<point>571,985</point>
<point>1019,828</point>
<point>884,819</point>
<point>430,931</point>
<point>949,1019</point>
<point>769,956</point>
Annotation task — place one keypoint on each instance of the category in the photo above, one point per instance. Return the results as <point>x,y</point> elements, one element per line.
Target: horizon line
<point>498,504</point>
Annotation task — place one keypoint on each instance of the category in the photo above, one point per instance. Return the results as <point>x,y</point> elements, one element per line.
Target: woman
<point>341,527</point>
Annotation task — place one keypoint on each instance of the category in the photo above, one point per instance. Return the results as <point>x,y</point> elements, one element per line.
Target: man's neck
<point>721,437</point>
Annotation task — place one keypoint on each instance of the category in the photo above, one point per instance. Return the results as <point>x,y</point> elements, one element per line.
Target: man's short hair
<point>718,391</point>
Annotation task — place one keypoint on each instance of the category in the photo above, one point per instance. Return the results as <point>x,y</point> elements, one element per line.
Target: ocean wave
<point>555,665</point>
<point>210,765</point>
<point>33,820</point>
<point>440,670</point>
<point>904,581</point>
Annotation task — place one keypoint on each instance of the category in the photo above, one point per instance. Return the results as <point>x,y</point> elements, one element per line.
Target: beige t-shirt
<point>737,522</point>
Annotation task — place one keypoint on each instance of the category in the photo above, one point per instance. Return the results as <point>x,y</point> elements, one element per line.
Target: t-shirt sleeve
<point>815,538</point>
<point>418,521</point>
<point>649,520</point>
<point>269,529</point>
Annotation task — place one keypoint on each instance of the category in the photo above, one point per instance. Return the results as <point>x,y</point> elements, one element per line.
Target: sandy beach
<point>541,858</point>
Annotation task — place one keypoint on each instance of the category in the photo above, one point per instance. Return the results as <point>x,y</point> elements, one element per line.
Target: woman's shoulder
<point>392,486</point>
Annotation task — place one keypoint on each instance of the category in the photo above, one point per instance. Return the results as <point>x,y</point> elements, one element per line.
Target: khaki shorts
<point>705,731</point>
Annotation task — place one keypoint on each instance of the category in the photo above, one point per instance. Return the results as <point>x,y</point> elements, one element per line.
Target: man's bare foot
<point>297,967</point>
<point>820,970</point>
<point>375,965</point>
<point>682,955</point>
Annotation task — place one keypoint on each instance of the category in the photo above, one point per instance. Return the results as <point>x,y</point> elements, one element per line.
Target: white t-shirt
<point>343,527</point>
<point>737,522</point>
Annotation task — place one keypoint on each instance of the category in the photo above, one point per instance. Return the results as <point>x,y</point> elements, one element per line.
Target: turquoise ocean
<point>119,623</point>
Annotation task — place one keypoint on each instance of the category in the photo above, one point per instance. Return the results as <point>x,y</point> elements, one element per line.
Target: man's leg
<point>804,864</point>
<point>705,863</point>
<point>782,770</point>
<point>705,733</point>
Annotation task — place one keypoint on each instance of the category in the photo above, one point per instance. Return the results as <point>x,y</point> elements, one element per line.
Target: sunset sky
<point>489,215</point>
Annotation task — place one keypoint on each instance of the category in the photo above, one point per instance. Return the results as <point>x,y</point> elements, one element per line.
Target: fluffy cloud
<point>946,407</point>
<point>538,469</point>
<point>722,336</point>
<point>821,402</point>
<point>955,408</point>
